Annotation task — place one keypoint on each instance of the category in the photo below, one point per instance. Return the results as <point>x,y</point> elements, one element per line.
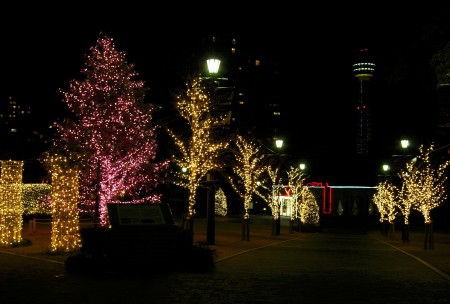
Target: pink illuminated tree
<point>111,132</point>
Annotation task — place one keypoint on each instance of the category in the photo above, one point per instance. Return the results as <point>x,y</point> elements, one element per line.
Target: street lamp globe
<point>213,65</point>
<point>302,166</point>
<point>386,167</point>
<point>279,143</point>
<point>404,143</point>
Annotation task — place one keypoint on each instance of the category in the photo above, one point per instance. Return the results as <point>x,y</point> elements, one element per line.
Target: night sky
<point>42,50</point>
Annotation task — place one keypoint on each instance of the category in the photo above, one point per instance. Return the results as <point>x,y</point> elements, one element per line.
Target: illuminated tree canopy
<point>199,150</point>
<point>386,201</point>
<point>111,131</point>
<point>423,185</point>
<point>269,191</point>
<point>248,168</point>
<point>221,207</point>
<point>296,182</point>
<point>309,208</point>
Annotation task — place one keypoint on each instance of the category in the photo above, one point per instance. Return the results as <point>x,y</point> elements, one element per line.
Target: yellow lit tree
<point>270,193</point>
<point>309,209</point>
<point>424,187</point>
<point>248,168</point>
<point>65,235</point>
<point>296,181</point>
<point>221,203</point>
<point>11,208</point>
<point>198,150</point>
<point>386,202</point>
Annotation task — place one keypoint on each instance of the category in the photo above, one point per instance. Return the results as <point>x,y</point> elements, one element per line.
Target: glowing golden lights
<point>386,201</point>
<point>424,185</point>
<point>36,198</point>
<point>249,169</point>
<point>197,153</point>
<point>11,208</point>
<point>65,235</point>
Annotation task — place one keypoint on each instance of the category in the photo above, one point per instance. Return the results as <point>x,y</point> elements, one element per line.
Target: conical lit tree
<point>111,130</point>
<point>309,209</point>
<point>221,203</point>
<point>199,149</point>
<point>424,187</point>
<point>385,199</point>
<point>248,168</point>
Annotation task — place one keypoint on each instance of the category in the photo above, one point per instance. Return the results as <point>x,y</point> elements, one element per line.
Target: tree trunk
<point>245,228</point>
<point>405,233</point>
<point>429,238</point>
<point>276,226</point>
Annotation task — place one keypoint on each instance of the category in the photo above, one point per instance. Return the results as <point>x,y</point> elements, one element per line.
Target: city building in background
<point>246,86</point>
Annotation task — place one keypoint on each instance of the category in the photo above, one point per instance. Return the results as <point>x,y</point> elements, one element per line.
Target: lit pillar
<point>11,208</point>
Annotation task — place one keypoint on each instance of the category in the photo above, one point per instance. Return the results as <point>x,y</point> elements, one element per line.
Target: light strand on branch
<point>198,152</point>
<point>249,168</point>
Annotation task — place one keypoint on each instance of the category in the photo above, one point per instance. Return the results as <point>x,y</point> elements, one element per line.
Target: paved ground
<point>295,268</point>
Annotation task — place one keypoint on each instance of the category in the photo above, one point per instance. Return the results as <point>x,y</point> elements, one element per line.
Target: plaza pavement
<point>325,267</point>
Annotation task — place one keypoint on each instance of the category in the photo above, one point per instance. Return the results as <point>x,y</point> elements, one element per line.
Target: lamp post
<point>404,143</point>
<point>213,65</point>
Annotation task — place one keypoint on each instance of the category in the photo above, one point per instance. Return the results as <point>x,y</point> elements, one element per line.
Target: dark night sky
<point>42,50</point>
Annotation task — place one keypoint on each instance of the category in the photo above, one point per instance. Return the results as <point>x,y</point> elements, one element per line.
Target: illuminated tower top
<point>364,66</point>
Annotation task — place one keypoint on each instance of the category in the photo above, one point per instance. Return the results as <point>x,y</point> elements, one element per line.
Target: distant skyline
<point>41,52</point>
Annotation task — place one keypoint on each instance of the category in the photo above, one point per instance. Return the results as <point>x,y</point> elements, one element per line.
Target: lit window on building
<point>13,130</point>
<point>276,113</point>
<point>233,50</point>
<point>241,102</point>
<point>257,62</point>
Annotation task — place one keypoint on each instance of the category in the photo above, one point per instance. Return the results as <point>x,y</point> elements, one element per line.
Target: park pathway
<point>313,268</point>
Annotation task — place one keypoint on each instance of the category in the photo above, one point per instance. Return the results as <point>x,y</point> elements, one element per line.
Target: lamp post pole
<point>213,68</point>
<point>405,227</point>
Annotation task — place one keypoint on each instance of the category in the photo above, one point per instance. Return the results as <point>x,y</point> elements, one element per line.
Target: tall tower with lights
<point>363,71</point>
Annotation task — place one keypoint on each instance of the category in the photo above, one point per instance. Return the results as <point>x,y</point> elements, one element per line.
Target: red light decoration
<point>327,192</point>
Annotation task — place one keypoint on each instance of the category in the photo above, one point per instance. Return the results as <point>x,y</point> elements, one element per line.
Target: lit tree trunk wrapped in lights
<point>198,152</point>
<point>386,201</point>
<point>11,208</point>
<point>65,235</point>
<point>424,187</point>
<point>111,132</point>
<point>248,168</point>
<point>270,194</point>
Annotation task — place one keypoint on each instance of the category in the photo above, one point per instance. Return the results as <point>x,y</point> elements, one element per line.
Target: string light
<point>199,152</point>
<point>386,202</point>
<point>296,182</point>
<point>36,198</point>
<point>221,203</point>
<point>271,193</point>
<point>249,169</point>
<point>11,208</point>
<point>65,236</point>
<point>309,208</point>
<point>423,186</point>
<point>112,131</point>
